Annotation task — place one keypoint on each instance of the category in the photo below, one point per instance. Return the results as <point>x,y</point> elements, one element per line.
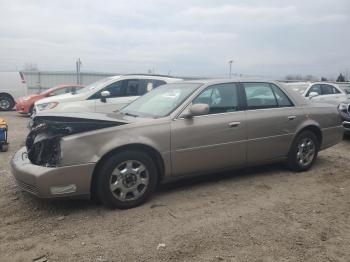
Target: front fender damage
<point>43,141</point>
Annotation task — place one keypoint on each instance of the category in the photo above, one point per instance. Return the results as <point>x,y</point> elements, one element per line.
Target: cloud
<point>265,38</point>
<point>258,16</point>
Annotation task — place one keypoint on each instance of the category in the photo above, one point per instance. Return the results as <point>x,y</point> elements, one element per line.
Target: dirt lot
<point>260,214</point>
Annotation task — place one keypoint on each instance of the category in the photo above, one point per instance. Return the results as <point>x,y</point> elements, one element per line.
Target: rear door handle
<point>234,124</point>
<point>291,117</point>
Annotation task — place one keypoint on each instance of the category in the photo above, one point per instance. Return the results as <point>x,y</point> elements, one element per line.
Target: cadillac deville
<point>178,129</point>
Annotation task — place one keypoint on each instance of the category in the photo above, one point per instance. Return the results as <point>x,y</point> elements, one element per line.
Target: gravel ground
<point>260,214</point>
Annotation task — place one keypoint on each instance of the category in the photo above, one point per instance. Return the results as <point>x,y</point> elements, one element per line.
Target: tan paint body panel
<point>206,143</point>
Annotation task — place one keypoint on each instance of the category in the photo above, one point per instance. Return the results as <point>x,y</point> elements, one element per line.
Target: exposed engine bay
<point>43,141</point>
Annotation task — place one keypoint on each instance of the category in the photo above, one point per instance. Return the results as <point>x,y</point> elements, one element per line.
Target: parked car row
<point>79,147</point>
<point>106,95</point>
<point>25,105</point>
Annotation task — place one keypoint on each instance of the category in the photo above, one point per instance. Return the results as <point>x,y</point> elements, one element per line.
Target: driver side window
<point>221,98</point>
<point>315,88</point>
<point>129,87</point>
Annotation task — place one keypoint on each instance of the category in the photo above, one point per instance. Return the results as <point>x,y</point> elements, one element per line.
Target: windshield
<point>161,101</point>
<point>94,85</point>
<point>48,91</point>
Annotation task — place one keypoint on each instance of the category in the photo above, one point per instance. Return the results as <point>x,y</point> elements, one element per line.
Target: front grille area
<point>26,187</point>
<point>349,108</point>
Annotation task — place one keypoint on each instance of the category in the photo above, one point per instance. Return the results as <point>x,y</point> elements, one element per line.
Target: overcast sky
<point>269,38</point>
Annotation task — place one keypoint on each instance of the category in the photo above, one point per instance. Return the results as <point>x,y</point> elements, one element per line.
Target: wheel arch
<point>314,129</point>
<point>8,95</point>
<point>156,156</point>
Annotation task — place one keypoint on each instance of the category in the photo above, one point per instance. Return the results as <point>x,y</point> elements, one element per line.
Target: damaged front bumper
<point>52,182</point>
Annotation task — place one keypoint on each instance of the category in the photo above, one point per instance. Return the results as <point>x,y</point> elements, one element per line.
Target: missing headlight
<point>43,144</point>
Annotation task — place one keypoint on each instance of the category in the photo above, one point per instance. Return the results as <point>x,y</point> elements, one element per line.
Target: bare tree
<point>293,77</point>
<point>310,78</point>
<point>341,78</point>
<point>299,77</point>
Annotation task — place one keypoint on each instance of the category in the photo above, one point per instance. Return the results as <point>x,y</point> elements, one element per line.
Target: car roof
<point>227,80</point>
<point>324,83</point>
<point>68,85</point>
<point>145,76</point>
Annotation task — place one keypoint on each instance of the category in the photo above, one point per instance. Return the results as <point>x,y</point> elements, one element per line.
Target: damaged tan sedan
<point>175,130</point>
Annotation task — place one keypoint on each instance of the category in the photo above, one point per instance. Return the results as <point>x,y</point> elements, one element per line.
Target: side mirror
<point>196,110</point>
<point>313,94</point>
<point>104,95</point>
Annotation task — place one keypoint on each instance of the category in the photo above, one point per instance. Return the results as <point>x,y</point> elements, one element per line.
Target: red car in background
<point>25,104</point>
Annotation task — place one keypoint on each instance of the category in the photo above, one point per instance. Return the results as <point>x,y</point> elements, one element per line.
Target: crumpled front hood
<point>82,117</point>
<point>43,141</point>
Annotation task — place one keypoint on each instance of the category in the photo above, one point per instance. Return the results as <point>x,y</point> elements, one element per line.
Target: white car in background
<point>320,92</point>
<point>345,86</point>
<point>106,95</point>
<point>12,86</point>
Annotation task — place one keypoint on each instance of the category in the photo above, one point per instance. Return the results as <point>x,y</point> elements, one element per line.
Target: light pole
<point>230,63</point>
<point>78,65</point>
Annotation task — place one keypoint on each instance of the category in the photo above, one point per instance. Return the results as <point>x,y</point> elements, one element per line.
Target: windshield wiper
<point>129,114</point>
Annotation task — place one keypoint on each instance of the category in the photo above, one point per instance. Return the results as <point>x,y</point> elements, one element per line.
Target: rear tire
<point>303,152</point>
<point>126,179</point>
<point>6,103</point>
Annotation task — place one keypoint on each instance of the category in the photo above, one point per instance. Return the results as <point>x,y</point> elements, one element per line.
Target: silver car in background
<point>178,129</point>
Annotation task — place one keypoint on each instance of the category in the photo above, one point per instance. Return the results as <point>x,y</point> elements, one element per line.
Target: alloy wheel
<point>129,180</point>
<point>306,151</point>
<point>5,104</point>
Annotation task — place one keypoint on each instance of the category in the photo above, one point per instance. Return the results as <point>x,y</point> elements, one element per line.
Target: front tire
<point>126,179</point>
<point>303,152</point>
<point>6,103</point>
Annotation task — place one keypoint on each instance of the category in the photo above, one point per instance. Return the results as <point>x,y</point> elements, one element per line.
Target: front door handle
<point>291,117</point>
<point>234,124</point>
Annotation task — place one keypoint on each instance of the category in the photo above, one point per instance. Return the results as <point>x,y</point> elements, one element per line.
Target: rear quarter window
<point>265,95</point>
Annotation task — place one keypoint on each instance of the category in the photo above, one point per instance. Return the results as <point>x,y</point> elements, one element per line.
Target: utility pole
<point>230,63</point>
<point>78,65</point>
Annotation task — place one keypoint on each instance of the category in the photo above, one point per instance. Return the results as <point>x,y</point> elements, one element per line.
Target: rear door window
<point>259,96</point>
<point>329,90</point>
<point>282,99</point>
<point>132,87</point>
